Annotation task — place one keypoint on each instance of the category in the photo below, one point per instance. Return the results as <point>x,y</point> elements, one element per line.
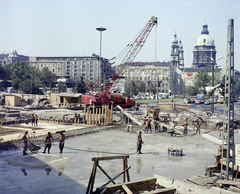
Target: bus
<point>201,98</point>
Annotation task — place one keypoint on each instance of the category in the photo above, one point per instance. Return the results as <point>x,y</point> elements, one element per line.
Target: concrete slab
<point>42,129</point>
<point>70,172</point>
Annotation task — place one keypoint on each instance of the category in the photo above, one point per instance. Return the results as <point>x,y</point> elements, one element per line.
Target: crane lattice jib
<point>134,48</point>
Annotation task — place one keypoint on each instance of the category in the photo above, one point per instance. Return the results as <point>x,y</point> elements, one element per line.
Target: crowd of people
<point>48,142</point>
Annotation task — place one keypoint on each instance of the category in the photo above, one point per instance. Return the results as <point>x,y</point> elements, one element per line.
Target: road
<point>218,108</point>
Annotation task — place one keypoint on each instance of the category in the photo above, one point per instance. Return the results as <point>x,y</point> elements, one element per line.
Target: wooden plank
<point>168,190</point>
<point>116,176</point>
<point>135,186</point>
<point>104,172</point>
<point>228,182</point>
<point>109,158</point>
<point>234,189</point>
<point>126,189</point>
<point>129,116</point>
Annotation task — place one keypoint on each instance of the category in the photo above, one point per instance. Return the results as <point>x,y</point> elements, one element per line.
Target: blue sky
<point>68,28</point>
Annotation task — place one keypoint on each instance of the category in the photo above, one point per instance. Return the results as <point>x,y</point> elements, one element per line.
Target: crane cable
<point>128,45</point>
<point>83,150</point>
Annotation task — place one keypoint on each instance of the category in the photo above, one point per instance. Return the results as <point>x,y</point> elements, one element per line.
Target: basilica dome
<point>205,39</point>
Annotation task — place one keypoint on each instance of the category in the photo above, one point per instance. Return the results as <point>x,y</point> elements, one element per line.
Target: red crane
<point>104,97</point>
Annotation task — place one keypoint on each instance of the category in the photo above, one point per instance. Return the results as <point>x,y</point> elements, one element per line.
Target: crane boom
<point>104,97</point>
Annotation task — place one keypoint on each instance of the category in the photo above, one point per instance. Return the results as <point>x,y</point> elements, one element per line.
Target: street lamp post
<point>214,63</point>
<point>101,29</point>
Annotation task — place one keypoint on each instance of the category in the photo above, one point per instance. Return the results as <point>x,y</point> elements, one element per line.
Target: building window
<point>53,70</point>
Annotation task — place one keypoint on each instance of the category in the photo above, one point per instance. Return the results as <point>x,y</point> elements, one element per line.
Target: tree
<point>80,86</point>
<point>3,73</point>
<point>21,71</point>
<point>141,87</point>
<point>192,90</point>
<point>62,87</point>
<point>202,79</point>
<point>25,86</point>
<point>47,77</point>
<point>151,88</point>
<point>131,89</point>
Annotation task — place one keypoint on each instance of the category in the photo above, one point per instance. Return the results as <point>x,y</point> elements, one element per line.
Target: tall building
<point>204,48</point>
<point>90,68</point>
<point>160,74</point>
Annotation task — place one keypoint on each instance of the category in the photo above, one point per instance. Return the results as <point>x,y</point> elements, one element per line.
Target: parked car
<point>207,102</point>
<point>192,100</point>
<point>198,101</point>
<point>186,100</point>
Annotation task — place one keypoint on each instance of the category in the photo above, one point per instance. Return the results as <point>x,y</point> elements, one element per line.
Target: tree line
<point>29,80</point>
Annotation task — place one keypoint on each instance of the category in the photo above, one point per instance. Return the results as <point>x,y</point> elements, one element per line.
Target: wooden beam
<point>109,158</point>
<point>168,190</point>
<point>228,182</point>
<point>104,172</point>
<point>116,176</point>
<point>134,187</point>
<point>129,116</point>
<point>126,189</point>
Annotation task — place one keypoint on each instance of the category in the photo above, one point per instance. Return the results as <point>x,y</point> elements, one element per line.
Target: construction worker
<point>33,120</point>
<point>185,124</point>
<point>36,120</point>
<point>61,141</point>
<point>48,142</point>
<point>197,127</point>
<point>25,144</point>
<point>139,142</point>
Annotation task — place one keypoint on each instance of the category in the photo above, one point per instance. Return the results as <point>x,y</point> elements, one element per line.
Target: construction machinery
<point>106,97</point>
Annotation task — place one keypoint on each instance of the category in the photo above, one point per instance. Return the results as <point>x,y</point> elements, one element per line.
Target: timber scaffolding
<point>92,116</point>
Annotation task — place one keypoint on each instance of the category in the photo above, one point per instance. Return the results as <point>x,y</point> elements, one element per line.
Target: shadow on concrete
<point>36,173</point>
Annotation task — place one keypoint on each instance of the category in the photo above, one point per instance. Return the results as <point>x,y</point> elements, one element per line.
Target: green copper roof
<point>205,39</point>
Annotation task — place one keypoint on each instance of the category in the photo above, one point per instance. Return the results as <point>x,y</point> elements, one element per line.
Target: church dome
<point>13,53</point>
<point>205,39</point>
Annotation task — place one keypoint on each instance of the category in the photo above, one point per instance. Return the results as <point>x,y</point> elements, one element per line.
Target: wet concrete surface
<point>69,172</point>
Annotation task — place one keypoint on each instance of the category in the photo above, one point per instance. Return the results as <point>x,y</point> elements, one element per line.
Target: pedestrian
<point>185,124</point>
<point>197,128</point>
<point>139,142</point>
<point>144,120</point>
<point>25,143</point>
<point>61,141</point>
<point>220,129</point>
<point>33,120</point>
<point>149,125</point>
<point>172,125</point>
<point>48,142</point>
<point>146,126</point>
<point>36,120</point>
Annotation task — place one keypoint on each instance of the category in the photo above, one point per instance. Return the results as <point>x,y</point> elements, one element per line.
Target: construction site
<point>185,148</point>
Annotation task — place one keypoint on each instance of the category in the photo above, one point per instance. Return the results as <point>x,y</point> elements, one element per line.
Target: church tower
<point>180,55</point>
<point>204,48</point>
<point>175,51</point>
